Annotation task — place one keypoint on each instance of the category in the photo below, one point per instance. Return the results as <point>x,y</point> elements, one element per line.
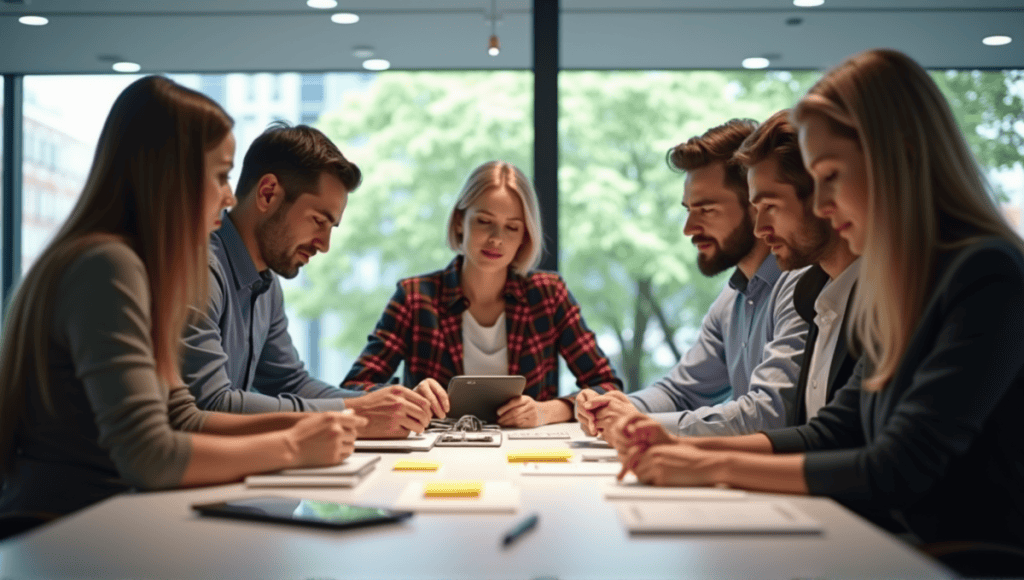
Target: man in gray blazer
<point>781,191</point>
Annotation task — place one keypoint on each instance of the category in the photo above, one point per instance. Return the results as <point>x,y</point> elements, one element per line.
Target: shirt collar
<point>767,274</point>
<point>836,293</point>
<point>451,287</point>
<point>243,268</point>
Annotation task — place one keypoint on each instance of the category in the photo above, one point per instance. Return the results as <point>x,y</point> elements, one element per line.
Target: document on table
<point>630,488</point>
<point>717,517</point>
<point>413,442</point>
<point>574,468</point>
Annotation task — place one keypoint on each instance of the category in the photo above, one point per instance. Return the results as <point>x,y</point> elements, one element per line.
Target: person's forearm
<point>556,411</point>
<point>233,424</point>
<point>217,459</point>
<point>758,472</point>
<point>753,443</point>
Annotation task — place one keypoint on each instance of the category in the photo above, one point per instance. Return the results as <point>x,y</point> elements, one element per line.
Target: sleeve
<point>205,362</point>
<point>769,402</point>
<point>969,359</point>
<point>385,348</point>
<point>578,345</point>
<point>700,378</point>
<point>106,324</point>
<point>183,412</point>
<point>281,377</point>
<point>836,426</point>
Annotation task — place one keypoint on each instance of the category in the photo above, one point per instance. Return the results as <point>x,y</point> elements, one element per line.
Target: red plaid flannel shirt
<point>422,325</point>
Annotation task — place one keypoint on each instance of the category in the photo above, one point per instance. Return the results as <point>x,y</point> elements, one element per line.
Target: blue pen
<point>521,528</point>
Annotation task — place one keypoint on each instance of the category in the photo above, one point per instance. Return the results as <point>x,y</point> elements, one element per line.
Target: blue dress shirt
<point>238,355</point>
<point>741,374</point>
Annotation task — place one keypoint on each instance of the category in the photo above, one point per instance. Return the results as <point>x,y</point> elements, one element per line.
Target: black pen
<point>521,528</point>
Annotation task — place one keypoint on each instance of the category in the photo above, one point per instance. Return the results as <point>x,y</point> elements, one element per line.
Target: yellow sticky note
<point>524,455</point>
<point>453,488</point>
<point>407,465</point>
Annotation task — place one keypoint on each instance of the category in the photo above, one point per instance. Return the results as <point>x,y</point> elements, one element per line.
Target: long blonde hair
<point>502,175</point>
<point>145,187</point>
<point>926,192</point>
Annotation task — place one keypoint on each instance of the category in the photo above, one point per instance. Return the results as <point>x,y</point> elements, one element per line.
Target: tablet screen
<point>307,511</point>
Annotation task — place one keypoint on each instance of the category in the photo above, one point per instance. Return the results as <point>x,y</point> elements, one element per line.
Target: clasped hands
<point>645,447</point>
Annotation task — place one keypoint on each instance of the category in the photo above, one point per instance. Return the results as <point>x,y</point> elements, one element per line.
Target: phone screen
<point>305,511</point>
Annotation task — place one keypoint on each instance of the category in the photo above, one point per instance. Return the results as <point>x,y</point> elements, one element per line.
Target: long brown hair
<point>926,192</point>
<point>145,188</point>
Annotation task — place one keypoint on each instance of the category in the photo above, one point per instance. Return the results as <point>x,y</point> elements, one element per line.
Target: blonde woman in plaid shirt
<point>488,312</point>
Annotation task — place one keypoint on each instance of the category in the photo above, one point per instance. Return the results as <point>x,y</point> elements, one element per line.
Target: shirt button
<point>750,302</point>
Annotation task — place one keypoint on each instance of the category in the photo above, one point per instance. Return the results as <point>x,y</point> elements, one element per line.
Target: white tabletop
<point>157,535</point>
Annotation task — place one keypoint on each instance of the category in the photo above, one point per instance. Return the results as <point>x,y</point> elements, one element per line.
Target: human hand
<point>521,411</point>
<point>677,464</point>
<point>607,409</point>
<point>324,438</point>
<point>585,417</point>
<point>634,434</point>
<point>392,412</point>
<point>435,394</point>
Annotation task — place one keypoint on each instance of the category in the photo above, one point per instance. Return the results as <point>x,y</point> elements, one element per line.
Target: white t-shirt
<point>484,348</point>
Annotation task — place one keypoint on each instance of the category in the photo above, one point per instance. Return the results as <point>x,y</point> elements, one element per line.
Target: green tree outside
<point>623,253</point>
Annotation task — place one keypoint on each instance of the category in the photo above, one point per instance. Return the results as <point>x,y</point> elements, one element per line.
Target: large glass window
<point>623,252</point>
<point>63,116</point>
<point>415,136</point>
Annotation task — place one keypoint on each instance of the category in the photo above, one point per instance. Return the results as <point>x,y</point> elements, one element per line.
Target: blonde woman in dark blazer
<point>928,430</point>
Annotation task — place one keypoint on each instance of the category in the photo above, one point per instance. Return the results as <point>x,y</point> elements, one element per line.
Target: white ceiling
<point>286,35</point>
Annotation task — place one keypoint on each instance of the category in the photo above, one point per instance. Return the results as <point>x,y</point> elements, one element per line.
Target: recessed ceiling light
<point>322,4</point>
<point>376,64</point>
<point>808,3</point>
<point>755,62</point>
<point>126,67</point>
<point>344,18</point>
<point>362,51</point>
<point>34,20</point>
<point>997,40</point>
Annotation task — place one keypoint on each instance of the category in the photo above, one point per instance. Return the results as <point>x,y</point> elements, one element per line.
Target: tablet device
<point>306,512</point>
<point>482,395</point>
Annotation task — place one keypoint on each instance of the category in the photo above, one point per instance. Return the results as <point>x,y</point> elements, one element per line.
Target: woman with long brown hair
<point>926,436</point>
<point>91,401</point>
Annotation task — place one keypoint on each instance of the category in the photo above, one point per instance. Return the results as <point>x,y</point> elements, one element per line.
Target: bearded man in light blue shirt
<point>739,376</point>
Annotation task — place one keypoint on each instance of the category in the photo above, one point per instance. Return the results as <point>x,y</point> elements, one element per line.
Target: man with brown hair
<point>739,375</point>
<point>781,191</point>
<point>238,355</point>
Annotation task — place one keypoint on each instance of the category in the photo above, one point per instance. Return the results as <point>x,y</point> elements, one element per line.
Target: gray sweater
<point>115,425</point>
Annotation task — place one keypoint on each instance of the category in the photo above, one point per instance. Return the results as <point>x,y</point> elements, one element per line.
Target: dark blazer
<point>939,448</point>
<point>806,292</point>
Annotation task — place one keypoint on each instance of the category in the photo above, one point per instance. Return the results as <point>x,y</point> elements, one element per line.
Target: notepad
<point>348,473</point>
<point>717,517</point>
<point>495,496</point>
<point>413,442</point>
<point>452,489</point>
<point>523,455</point>
<point>409,465</point>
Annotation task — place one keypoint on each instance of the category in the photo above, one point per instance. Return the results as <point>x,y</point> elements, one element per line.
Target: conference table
<point>579,535</point>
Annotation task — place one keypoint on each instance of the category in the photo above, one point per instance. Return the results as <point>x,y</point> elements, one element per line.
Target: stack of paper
<point>346,474</point>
